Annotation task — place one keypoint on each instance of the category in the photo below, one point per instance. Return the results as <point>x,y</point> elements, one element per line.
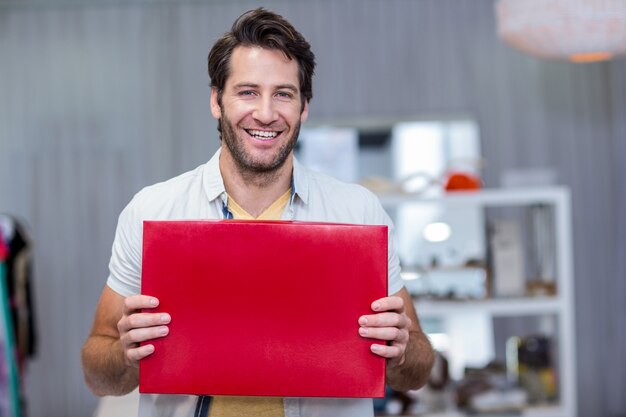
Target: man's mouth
<point>262,134</point>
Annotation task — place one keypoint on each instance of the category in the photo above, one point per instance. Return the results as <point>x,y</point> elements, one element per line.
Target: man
<point>261,74</point>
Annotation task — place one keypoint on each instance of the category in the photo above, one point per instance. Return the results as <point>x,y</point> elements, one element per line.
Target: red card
<point>264,308</point>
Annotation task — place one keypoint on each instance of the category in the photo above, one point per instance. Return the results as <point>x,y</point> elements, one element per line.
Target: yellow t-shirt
<point>273,212</point>
<point>222,406</point>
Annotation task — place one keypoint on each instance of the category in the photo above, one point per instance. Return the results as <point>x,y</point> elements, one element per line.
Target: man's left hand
<point>389,323</point>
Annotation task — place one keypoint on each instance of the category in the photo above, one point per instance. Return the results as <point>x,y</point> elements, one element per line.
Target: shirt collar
<point>212,178</point>
<point>299,181</point>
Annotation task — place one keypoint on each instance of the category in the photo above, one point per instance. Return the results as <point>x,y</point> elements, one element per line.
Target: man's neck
<point>255,192</point>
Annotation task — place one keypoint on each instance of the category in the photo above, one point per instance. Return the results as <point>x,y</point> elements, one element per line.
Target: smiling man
<point>261,85</point>
<point>260,111</point>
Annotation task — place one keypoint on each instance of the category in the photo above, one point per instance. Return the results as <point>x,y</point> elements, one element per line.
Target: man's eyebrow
<point>278,87</point>
<point>288,87</point>
<point>246,85</point>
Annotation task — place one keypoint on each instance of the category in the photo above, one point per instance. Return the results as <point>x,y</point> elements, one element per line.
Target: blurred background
<point>100,98</point>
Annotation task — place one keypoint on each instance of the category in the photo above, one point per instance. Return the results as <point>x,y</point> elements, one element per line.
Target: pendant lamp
<point>575,30</point>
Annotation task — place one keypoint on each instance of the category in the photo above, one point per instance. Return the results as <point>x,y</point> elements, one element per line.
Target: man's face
<point>261,110</point>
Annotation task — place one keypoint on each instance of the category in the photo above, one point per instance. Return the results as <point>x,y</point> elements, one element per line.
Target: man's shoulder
<point>330,199</point>
<point>327,185</point>
<point>157,199</point>
<point>172,187</point>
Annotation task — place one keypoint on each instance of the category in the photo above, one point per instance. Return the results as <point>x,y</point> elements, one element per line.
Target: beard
<point>246,163</point>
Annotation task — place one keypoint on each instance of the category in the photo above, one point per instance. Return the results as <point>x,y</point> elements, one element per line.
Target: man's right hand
<point>111,353</point>
<point>137,326</point>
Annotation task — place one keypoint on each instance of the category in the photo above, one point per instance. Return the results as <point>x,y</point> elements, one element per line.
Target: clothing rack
<point>10,402</point>
<point>17,330</point>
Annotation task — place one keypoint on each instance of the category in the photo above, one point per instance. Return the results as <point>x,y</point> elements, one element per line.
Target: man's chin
<point>265,161</point>
<point>263,166</point>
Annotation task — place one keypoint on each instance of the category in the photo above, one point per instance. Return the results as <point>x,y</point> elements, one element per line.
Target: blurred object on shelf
<point>419,183</point>
<point>381,186</point>
<point>512,401</point>
<point>463,174</point>
<point>437,236</point>
<point>488,390</point>
<point>475,381</point>
<point>506,259</point>
<point>459,175</point>
<point>461,181</point>
<point>529,361</point>
<point>540,288</point>
<point>468,282</point>
<point>542,250</point>
<point>415,183</point>
<point>436,396</point>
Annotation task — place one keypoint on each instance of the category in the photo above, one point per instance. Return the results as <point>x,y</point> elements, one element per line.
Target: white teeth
<point>263,133</point>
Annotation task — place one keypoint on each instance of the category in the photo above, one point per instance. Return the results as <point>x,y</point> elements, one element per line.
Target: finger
<point>139,301</point>
<point>140,320</point>
<point>136,336</point>
<point>393,351</point>
<point>385,333</point>
<point>388,304</point>
<point>136,354</point>
<point>385,320</point>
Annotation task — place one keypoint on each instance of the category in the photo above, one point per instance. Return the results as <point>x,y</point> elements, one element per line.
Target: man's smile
<point>262,134</point>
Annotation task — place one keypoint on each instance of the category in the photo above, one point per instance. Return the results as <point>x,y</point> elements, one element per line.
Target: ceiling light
<point>575,30</point>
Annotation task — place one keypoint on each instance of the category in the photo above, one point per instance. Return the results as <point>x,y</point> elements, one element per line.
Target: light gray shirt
<point>200,194</point>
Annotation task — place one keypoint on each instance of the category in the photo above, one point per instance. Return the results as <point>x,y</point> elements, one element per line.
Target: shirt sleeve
<point>393,268</point>
<point>125,264</point>
<point>378,215</point>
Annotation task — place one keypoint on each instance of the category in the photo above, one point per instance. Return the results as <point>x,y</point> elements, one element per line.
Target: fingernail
<point>163,331</point>
<point>153,302</point>
<point>363,331</point>
<point>375,306</point>
<point>375,348</point>
<point>165,318</point>
<point>150,348</point>
<point>363,321</point>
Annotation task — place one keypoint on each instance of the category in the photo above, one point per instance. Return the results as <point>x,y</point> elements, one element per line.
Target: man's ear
<point>216,110</point>
<point>305,112</point>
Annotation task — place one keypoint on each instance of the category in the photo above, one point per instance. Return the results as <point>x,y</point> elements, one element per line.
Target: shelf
<point>544,411</point>
<point>494,306</point>
<point>491,197</point>
<point>455,314</point>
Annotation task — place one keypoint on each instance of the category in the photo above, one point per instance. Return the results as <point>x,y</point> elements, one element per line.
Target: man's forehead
<point>257,65</point>
<point>255,51</point>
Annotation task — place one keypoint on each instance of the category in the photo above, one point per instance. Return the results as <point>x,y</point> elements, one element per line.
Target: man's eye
<point>246,93</point>
<point>284,94</point>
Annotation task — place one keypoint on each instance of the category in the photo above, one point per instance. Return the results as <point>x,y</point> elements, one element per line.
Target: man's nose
<point>265,112</point>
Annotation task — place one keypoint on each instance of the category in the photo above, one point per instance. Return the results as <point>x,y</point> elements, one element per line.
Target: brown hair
<point>260,27</point>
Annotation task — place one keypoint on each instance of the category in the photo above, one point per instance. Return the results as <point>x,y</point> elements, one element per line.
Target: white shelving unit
<point>559,305</point>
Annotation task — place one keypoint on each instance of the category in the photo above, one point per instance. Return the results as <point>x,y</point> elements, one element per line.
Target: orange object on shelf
<point>458,181</point>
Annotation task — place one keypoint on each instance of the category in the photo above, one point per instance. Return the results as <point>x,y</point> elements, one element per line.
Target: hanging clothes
<point>19,283</point>
<point>10,392</point>
<point>18,315</point>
